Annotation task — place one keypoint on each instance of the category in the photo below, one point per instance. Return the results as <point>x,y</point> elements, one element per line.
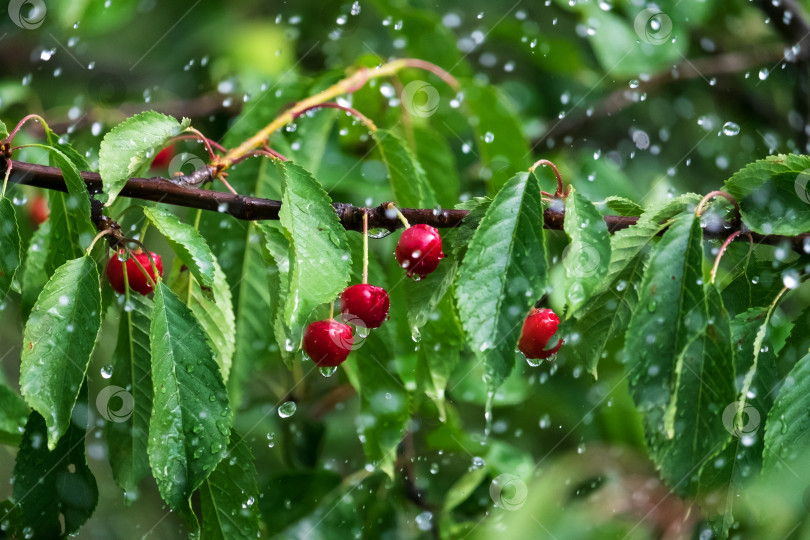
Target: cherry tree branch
<point>351,217</point>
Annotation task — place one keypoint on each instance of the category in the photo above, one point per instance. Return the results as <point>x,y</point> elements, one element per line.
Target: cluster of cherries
<point>328,343</point>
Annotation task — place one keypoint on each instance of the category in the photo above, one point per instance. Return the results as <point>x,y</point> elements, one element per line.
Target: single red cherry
<point>39,210</point>
<point>419,250</point>
<point>137,281</point>
<point>328,343</point>
<point>364,305</point>
<point>538,328</point>
<point>163,158</point>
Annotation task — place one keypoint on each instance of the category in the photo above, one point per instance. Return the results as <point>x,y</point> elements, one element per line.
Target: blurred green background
<point>631,99</point>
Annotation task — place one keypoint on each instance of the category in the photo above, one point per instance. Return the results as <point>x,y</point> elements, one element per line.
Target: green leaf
<point>463,488</point>
<point>57,342</point>
<point>439,163</point>
<point>587,257</point>
<point>623,207</point>
<point>423,296</point>
<point>48,484</point>
<point>458,238</point>
<point>127,428</point>
<point>320,265</point>
<point>502,145</point>
<point>191,419</point>
<point>503,273</point>
<point>408,180</point>
<point>34,272</point>
<point>130,146</point>
<point>607,313</point>
<point>787,430</point>
<point>773,194</point>
<point>77,199</point>
<point>13,414</point>
<point>439,353</point>
<point>679,358</point>
<point>256,310</point>
<point>3,131</point>
<point>383,402</point>
<point>187,243</point>
<point>277,251</point>
<point>628,47</point>
<point>10,246</point>
<point>228,497</point>
<point>216,318</point>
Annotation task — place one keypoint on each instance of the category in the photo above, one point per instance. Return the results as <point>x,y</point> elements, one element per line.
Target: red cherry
<point>137,281</point>
<point>419,250</point>
<point>39,210</point>
<point>163,158</point>
<point>537,330</point>
<point>364,305</point>
<point>328,343</point>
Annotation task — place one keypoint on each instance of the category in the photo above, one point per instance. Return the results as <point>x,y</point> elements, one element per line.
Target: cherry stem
<point>332,310</point>
<point>148,254</point>
<point>96,239</point>
<point>195,137</point>
<point>436,70</point>
<point>351,110</point>
<point>365,247</point>
<point>23,121</point>
<point>266,152</point>
<point>211,155</point>
<point>5,180</point>
<point>227,185</point>
<point>560,188</point>
<point>725,245</point>
<point>401,217</point>
<point>701,207</point>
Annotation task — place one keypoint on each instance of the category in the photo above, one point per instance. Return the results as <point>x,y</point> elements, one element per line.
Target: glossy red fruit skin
<point>538,328</point>
<point>364,305</point>
<point>328,343</point>
<point>137,281</point>
<point>163,158</point>
<point>419,250</point>
<point>39,210</point>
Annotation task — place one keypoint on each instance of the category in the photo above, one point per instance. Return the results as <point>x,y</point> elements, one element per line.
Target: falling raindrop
<point>730,129</point>
<point>287,409</point>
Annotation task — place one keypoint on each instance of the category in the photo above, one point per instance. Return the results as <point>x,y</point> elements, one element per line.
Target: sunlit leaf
<point>131,145</point>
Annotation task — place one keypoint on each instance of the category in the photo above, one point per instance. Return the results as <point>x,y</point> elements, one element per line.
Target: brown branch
<point>351,217</point>
<point>790,20</point>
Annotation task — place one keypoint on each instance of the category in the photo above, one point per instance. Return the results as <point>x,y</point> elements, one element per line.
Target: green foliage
<point>10,248</point>
<point>434,426</point>
<point>773,194</point>
<point>49,483</point>
<point>59,337</point>
<point>589,247</point>
<point>130,146</point>
<point>408,179</point>
<point>128,431</point>
<point>191,419</point>
<point>502,274</point>
<point>228,496</point>
<point>319,257</point>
